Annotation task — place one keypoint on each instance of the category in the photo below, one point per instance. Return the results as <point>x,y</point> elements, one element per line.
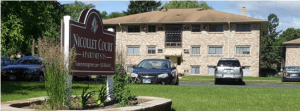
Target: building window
<point>242,50</point>
<point>242,28</point>
<point>195,70</point>
<point>151,50</point>
<point>211,70</point>
<point>196,50</point>
<point>216,28</point>
<point>215,50</point>
<point>133,50</point>
<point>196,28</point>
<point>159,50</point>
<point>129,69</point>
<point>246,71</point>
<point>135,28</point>
<point>151,28</point>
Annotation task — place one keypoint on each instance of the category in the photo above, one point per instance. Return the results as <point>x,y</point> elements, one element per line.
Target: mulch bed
<point>91,104</point>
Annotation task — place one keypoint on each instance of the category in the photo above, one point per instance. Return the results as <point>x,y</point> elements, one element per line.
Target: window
<point>195,70</point>
<point>159,51</point>
<point>151,28</point>
<point>242,50</point>
<point>242,27</point>
<point>196,28</point>
<point>133,50</point>
<point>151,50</point>
<point>129,69</point>
<point>215,50</point>
<point>246,71</point>
<point>195,49</point>
<point>211,70</point>
<point>134,28</point>
<point>216,28</point>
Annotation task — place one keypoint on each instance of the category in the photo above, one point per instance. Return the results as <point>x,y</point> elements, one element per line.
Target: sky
<point>288,12</point>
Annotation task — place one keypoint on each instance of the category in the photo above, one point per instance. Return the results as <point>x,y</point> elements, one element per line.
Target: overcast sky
<point>287,12</point>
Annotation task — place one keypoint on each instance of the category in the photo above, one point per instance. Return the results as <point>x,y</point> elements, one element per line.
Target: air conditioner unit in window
<point>186,50</point>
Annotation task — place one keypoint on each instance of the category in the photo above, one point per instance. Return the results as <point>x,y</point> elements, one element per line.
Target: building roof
<point>292,42</point>
<point>190,15</point>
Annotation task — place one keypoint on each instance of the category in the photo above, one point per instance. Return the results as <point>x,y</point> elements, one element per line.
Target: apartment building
<point>193,39</point>
<point>291,52</point>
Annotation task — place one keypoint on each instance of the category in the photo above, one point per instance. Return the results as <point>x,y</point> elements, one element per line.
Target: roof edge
<point>259,21</point>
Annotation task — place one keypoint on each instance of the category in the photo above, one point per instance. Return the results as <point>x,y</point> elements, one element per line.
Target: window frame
<point>215,50</point>
<point>196,30</point>
<point>152,30</point>
<point>211,26</point>
<point>152,50</point>
<point>133,50</point>
<point>242,29</point>
<point>195,66</point>
<point>195,46</point>
<point>135,26</point>
<point>236,47</point>
<point>209,68</point>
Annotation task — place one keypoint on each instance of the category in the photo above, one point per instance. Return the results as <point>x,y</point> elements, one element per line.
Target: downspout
<point>228,37</point>
<point>121,43</point>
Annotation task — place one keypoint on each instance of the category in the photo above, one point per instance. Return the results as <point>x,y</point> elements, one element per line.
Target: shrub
<point>102,95</point>
<point>121,91</point>
<point>56,75</point>
<point>85,95</point>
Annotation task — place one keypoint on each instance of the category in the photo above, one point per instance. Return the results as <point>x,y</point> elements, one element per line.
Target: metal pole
<point>109,86</point>
<point>66,60</point>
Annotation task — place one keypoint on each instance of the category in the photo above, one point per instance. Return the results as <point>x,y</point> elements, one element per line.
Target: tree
<point>115,14</point>
<point>269,54</point>
<point>186,4</point>
<point>25,21</point>
<point>74,9</point>
<point>135,7</point>
<point>103,14</point>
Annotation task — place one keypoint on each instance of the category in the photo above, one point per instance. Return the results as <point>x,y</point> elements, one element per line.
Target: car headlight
<point>30,71</point>
<point>163,76</point>
<point>134,75</point>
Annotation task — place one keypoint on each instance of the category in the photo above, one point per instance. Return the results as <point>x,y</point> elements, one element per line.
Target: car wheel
<point>41,78</point>
<point>217,81</point>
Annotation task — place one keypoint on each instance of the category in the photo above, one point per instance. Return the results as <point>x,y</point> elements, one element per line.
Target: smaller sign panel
<point>95,47</point>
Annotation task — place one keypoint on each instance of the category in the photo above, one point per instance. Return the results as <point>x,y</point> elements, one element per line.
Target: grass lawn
<point>183,97</point>
<point>251,80</point>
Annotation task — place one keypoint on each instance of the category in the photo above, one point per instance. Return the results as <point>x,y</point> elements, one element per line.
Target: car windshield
<point>230,63</point>
<point>292,69</point>
<point>28,61</point>
<point>154,64</point>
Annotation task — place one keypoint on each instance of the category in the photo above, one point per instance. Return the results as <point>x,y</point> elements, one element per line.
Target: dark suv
<point>228,69</point>
<point>155,71</point>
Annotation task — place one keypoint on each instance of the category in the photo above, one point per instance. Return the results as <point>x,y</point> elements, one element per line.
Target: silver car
<point>228,69</point>
<point>291,73</point>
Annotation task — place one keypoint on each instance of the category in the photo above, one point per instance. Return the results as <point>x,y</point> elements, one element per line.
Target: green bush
<point>101,96</point>
<point>85,95</point>
<point>121,90</point>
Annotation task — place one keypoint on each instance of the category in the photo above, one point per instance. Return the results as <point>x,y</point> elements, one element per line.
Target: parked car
<point>28,67</point>
<point>228,69</point>
<point>291,73</point>
<point>5,62</point>
<point>155,71</point>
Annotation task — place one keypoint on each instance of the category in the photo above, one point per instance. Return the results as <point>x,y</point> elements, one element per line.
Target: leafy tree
<point>115,14</point>
<point>103,14</point>
<point>135,7</point>
<point>269,54</point>
<point>186,4</point>
<point>25,21</point>
<point>74,9</point>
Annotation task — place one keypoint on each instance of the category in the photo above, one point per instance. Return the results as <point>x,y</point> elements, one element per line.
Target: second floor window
<point>196,28</point>
<point>243,28</point>
<point>151,50</point>
<point>196,50</point>
<point>134,28</point>
<point>216,28</point>
<point>215,50</point>
<point>242,50</point>
<point>133,50</point>
<point>151,28</point>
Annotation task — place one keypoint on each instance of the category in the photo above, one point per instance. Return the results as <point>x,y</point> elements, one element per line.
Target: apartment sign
<point>95,47</point>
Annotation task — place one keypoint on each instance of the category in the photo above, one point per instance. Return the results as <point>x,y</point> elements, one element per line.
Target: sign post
<point>95,47</point>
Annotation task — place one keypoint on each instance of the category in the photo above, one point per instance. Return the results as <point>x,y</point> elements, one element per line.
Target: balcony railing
<point>173,44</point>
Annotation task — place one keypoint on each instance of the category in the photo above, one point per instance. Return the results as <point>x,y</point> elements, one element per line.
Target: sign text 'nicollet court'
<point>95,47</point>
